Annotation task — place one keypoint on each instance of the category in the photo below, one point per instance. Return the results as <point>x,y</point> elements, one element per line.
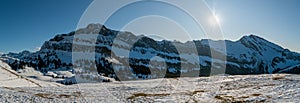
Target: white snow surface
<point>216,89</point>
<point>25,78</point>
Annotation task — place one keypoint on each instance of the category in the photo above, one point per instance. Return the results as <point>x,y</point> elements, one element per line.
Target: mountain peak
<point>92,29</point>
<point>257,41</point>
<point>252,37</point>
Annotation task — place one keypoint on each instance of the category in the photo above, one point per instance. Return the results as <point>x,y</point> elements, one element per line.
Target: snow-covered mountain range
<point>124,56</point>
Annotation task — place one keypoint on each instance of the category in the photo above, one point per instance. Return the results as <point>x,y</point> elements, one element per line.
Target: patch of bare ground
<point>146,95</point>
<point>228,99</point>
<point>52,96</point>
<point>15,89</point>
<point>232,99</point>
<point>197,91</point>
<point>278,77</point>
<point>256,94</point>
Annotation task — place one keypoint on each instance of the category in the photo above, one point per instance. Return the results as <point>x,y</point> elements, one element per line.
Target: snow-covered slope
<point>98,51</point>
<point>259,55</point>
<point>275,88</point>
<point>11,78</point>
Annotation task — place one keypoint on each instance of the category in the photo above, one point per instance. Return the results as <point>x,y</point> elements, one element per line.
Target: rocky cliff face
<point>125,56</point>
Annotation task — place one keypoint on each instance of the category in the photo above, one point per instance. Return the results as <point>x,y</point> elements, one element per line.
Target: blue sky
<point>26,24</point>
<point>275,20</point>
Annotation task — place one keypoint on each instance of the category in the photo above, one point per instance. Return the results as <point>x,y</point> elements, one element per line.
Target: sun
<point>217,18</point>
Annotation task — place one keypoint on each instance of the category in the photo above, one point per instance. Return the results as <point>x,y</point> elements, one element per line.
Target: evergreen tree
<point>40,63</point>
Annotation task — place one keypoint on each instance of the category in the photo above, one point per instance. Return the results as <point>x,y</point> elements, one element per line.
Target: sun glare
<point>217,18</point>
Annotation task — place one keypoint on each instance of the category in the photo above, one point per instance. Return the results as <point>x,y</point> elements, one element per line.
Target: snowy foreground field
<point>240,88</point>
